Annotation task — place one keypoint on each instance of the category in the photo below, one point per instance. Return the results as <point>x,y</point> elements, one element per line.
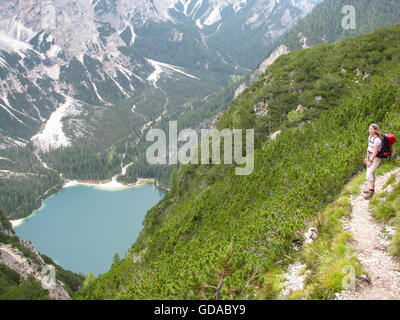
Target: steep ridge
<point>324,25</point>
<point>218,235</point>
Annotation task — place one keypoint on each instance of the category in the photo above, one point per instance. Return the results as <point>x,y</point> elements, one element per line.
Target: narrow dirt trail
<point>371,249</point>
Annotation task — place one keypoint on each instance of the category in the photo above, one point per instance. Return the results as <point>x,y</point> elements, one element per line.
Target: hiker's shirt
<point>372,142</point>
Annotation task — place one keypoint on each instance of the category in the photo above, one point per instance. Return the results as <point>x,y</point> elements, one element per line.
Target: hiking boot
<point>369,194</point>
<point>365,189</point>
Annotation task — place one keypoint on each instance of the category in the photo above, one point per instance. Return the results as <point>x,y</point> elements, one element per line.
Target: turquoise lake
<point>81,228</point>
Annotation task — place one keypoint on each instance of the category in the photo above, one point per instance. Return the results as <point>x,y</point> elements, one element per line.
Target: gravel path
<point>371,249</point>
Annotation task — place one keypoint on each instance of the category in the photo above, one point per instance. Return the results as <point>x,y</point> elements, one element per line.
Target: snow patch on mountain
<point>211,16</point>
<point>239,5</point>
<point>11,114</point>
<point>53,51</point>
<point>163,7</point>
<point>18,30</point>
<point>53,72</point>
<point>53,136</point>
<point>96,91</point>
<point>10,44</point>
<point>198,24</point>
<point>3,62</point>
<point>93,28</point>
<point>214,17</point>
<point>7,107</point>
<point>160,67</point>
<point>133,36</point>
<point>6,142</point>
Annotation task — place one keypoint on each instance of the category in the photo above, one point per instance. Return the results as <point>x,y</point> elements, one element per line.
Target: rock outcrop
<point>261,108</point>
<point>13,257</point>
<point>6,231</point>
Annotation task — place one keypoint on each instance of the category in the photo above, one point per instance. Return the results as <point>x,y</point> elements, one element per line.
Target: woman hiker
<point>371,160</point>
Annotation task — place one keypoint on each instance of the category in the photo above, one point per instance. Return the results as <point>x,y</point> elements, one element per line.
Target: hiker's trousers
<point>372,169</point>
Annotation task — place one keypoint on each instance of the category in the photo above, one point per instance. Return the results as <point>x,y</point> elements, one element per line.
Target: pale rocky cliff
<point>12,257</point>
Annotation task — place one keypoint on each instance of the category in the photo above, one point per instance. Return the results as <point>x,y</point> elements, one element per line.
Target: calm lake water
<point>81,228</point>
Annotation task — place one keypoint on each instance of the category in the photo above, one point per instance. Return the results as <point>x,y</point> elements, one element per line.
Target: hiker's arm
<point>366,158</point>
<point>376,151</point>
<point>374,155</point>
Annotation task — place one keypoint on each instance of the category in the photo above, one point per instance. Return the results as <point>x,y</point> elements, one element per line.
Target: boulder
<point>6,231</point>
<point>359,73</point>
<point>311,235</point>
<point>275,134</point>
<point>260,108</point>
<point>366,75</point>
<point>388,189</point>
<point>319,98</point>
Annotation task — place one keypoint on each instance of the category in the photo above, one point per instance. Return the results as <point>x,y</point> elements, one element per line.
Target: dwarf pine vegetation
<point>217,235</point>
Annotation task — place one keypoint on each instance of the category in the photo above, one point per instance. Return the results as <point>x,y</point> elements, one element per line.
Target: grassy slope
<point>214,226</point>
<point>385,207</point>
<point>329,256</point>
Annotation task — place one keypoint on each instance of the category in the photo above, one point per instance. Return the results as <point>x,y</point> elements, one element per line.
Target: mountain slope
<point>217,228</point>
<point>100,52</point>
<point>82,81</point>
<point>324,25</point>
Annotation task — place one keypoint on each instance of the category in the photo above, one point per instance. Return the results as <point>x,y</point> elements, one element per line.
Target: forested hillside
<point>324,25</point>
<point>221,236</point>
<point>24,183</point>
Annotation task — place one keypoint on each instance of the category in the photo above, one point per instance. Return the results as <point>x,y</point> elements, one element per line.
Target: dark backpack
<point>387,142</point>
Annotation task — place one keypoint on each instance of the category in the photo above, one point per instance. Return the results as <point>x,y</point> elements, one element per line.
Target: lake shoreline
<point>102,223</point>
<point>16,222</point>
<point>111,184</point>
<point>108,185</point>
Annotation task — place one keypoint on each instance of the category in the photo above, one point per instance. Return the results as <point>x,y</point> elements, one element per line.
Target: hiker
<point>372,160</point>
